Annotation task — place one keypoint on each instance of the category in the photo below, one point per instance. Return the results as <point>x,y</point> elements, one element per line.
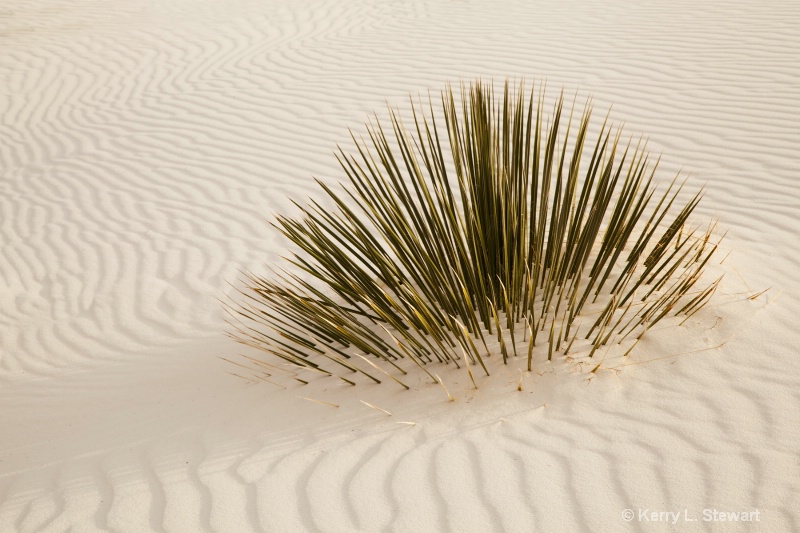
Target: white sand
<point>144,143</point>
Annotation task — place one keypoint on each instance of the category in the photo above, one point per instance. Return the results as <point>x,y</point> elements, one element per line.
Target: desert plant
<point>507,224</point>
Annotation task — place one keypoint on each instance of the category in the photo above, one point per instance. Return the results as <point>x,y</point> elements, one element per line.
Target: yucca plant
<point>507,232</point>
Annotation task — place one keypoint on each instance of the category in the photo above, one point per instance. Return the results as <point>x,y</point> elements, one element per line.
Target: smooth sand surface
<point>143,146</point>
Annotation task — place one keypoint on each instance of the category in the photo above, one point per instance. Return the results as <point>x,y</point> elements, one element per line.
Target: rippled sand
<point>143,146</point>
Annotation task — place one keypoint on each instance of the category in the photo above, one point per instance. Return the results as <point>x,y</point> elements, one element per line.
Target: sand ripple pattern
<point>142,147</point>
<point>549,458</point>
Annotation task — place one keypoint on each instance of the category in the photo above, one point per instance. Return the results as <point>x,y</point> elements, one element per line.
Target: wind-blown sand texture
<point>144,144</point>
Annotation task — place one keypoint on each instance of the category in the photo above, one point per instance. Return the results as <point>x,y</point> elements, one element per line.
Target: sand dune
<point>145,144</point>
